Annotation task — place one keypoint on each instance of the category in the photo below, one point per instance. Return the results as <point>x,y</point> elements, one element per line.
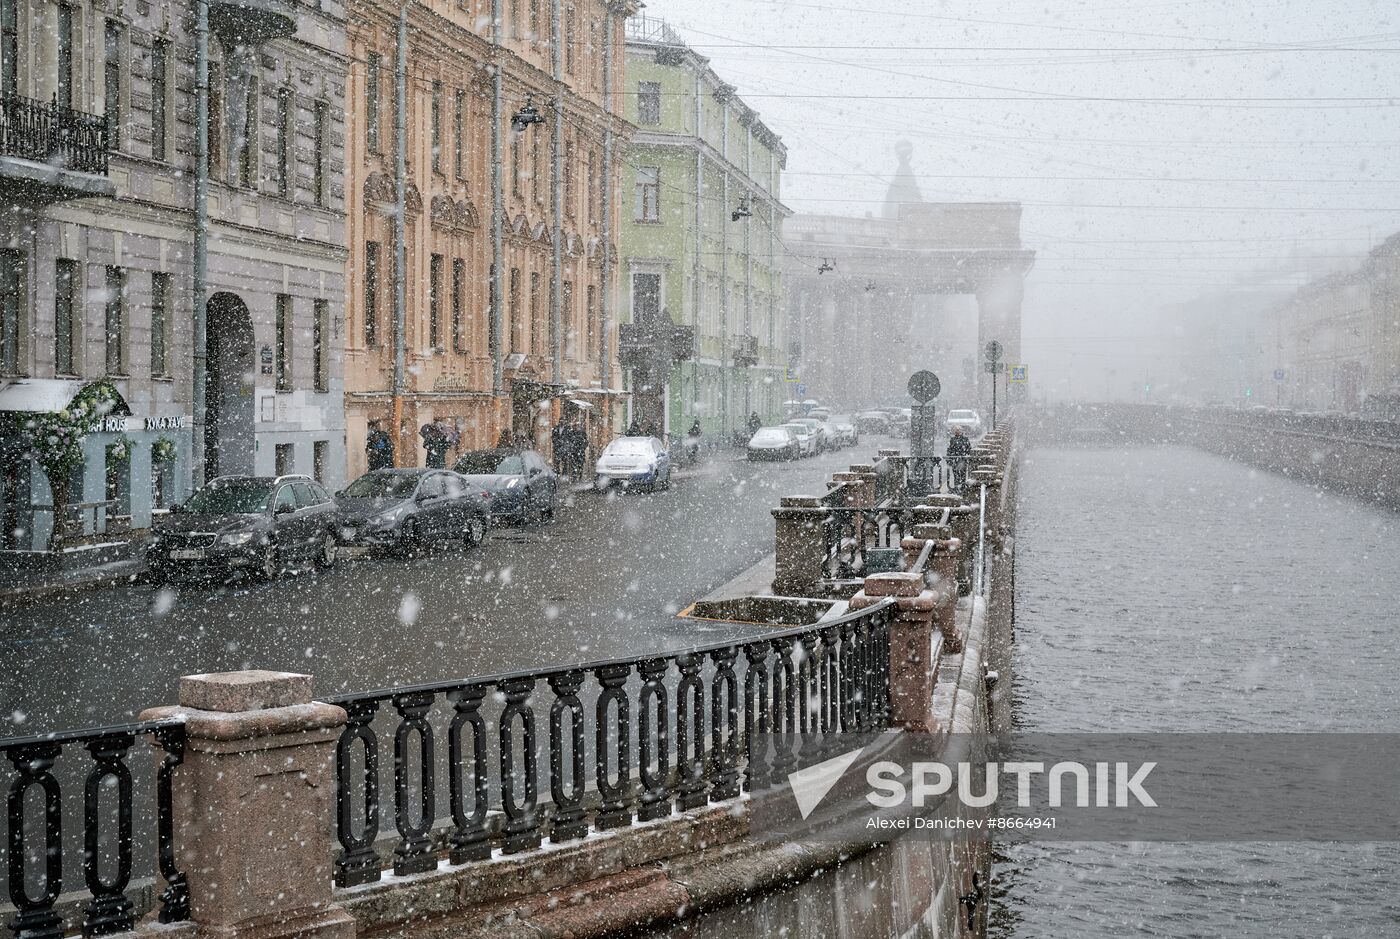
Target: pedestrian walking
<point>755,423</point>
<point>436,442</point>
<point>959,449</point>
<point>578,450</point>
<point>558,435</point>
<point>379,448</point>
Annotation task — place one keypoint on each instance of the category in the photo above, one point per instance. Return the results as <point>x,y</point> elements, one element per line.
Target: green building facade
<point>702,243</point>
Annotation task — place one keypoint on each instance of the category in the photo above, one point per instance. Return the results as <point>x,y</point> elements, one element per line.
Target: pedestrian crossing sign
<point>1016,374</point>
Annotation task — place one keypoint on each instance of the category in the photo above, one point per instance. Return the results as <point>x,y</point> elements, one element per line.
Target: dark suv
<point>257,524</point>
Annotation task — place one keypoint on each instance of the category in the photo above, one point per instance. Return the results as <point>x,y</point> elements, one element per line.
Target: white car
<point>820,414</point>
<point>969,421</point>
<point>845,431</point>
<point>774,443</point>
<point>826,440</point>
<point>641,461</point>
<point>806,438</point>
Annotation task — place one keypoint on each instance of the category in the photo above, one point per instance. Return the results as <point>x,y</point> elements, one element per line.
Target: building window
<point>283,460</point>
<point>536,149</point>
<point>65,309</point>
<point>459,277</point>
<point>214,135</point>
<point>566,316</point>
<point>65,56</point>
<point>434,300</point>
<point>115,321</point>
<point>284,342</point>
<point>117,488</point>
<point>321,345</point>
<point>534,20</point>
<point>284,141</point>
<point>459,106</point>
<point>537,332</point>
<point>320,457</point>
<point>9,47</point>
<point>517,324</point>
<point>372,102</point>
<point>321,120</point>
<point>160,96</point>
<point>648,194</point>
<point>515,163</point>
<point>592,185</point>
<point>570,192</point>
<point>436,128</point>
<point>649,103</point>
<point>160,323</point>
<point>371,293</point>
<point>591,323</point>
<point>570,36</point>
<point>646,297</point>
<point>112,81</point>
<point>248,145</point>
<point>11,309</point>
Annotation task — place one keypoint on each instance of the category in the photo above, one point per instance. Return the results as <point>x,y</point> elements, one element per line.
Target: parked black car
<point>405,509</point>
<point>257,524</point>
<point>518,483</point>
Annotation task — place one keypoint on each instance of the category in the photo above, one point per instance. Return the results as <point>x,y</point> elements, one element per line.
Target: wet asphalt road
<point>605,579</point>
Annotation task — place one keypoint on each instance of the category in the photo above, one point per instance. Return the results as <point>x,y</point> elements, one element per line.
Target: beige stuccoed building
<point>96,257</point>
<point>546,350</point>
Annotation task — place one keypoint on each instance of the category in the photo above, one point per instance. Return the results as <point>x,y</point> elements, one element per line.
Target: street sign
<point>1280,374</point>
<point>791,375</point>
<point>992,367</point>
<point>1016,374</point>
<point>924,386</point>
<point>801,391</point>
<point>993,350</point>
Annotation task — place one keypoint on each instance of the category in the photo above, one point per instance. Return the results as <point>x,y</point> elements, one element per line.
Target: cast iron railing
<point>853,531</point>
<point>669,732</point>
<point>53,134</point>
<point>35,871</point>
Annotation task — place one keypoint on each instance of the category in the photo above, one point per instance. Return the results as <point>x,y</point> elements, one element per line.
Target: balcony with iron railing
<point>50,152</point>
<point>643,28</point>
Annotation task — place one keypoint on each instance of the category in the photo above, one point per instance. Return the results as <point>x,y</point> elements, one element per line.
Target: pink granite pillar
<point>254,804</point>
<point>914,647</point>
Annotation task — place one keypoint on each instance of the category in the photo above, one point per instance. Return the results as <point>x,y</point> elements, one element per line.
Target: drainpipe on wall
<point>556,283</point>
<point>698,285</point>
<point>199,390</point>
<point>400,216</point>
<point>724,271</point>
<point>498,206</point>
<point>605,276</point>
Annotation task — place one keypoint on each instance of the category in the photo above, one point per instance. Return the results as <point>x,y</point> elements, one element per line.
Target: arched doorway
<point>228,392</point>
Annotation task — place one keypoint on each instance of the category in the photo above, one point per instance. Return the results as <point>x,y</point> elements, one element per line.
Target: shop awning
<point>42,395</point>
<point>581,404</point>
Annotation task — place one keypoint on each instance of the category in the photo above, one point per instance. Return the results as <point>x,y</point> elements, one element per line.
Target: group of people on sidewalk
<point>569,442</point>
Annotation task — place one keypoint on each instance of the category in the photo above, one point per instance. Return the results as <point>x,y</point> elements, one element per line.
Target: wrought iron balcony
<point>746,351</point>
<point>53,134</point>
<point>48,151</point>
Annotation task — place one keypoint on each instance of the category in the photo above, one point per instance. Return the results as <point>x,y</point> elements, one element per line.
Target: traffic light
<point>1249,392</point>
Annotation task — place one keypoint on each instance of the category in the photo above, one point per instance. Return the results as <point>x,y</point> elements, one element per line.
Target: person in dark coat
<point>379,448</point>
<point>959,449</point>
<point>558,434</point>
<point>634,429</point>
<point>435,441</point>
<point>578,450</point>
<point>755,423</point>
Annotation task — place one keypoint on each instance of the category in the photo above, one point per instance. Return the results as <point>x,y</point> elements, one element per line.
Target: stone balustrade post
<point>254,803</point>
<point>942,579</point>
<point>802,525</point>
<point>915,647</point>
<point>864,474</point>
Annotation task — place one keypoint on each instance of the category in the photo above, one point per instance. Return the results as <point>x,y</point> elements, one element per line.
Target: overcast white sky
<point>1130,204</point>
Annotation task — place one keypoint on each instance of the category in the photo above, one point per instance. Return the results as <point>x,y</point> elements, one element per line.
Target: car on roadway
<point>251,524</point>
<point>826,438</point>
<point>516,482</point>
<point>820,414</point>
<point>404,510</point>
<point>872,422</point>
<point>807,440</point>
<point>629,461</point>
<point>774,443</point>
<point>970,421</point>
<point>845,432</point>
